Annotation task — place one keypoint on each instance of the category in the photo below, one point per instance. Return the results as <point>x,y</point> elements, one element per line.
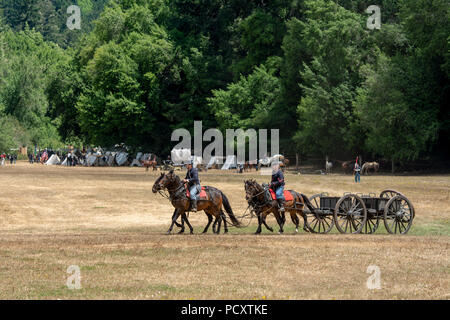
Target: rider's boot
<point>281,204</point>
<point>194,205</point>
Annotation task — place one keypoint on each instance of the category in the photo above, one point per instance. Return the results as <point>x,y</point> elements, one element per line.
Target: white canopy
<point>230,163</point>
<point>54,160</point>
<point>180,156</point>
<point>121,158</point>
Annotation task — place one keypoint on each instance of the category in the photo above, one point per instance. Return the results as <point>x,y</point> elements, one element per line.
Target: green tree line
<point>139,69</point>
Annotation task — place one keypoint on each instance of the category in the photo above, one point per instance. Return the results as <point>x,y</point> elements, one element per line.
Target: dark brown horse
<point>211,206</point>
<point>257,198</point>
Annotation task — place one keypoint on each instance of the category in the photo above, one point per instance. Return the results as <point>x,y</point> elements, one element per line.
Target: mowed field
<point>109,223</point>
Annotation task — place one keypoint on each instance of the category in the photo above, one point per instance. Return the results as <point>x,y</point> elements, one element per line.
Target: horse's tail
<point>307,202</point>
<point>227,206</point>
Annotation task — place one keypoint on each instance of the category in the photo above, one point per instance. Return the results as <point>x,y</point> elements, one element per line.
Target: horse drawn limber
<point>359,213</point>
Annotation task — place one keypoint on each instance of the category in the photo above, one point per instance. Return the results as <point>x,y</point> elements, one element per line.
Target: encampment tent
<point>213,161</point>
<point>121,158</point>
<point>54,160</point>
<point>110,160</point>
<point>91,160</point>
<point>197,160</point>
<point>180,156</point>
<point>230,163</point>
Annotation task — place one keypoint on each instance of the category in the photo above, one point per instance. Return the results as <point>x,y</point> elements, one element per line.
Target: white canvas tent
<point>54,160</point>
<point>91,160</point>
<point>121,158</point>
<point>267,161</point>
<point>180,156</point>
<point>230,163</point>
<point>110,158</point>
<point>137,162</point>
<point>214,161</point>
<point>196,161</point>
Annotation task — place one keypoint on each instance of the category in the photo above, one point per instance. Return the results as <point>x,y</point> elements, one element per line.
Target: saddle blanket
<point>287,195</point>
<point>202,196</point>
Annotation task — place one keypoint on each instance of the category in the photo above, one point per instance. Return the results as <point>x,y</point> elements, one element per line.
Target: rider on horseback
<point>277,184</point>
<point>193,184</point>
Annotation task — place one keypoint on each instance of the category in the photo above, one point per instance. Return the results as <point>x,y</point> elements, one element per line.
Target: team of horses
<point>257,196</point>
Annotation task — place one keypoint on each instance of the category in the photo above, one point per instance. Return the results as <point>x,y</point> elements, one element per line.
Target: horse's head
<point>252,188</point>
<point>158,185</point>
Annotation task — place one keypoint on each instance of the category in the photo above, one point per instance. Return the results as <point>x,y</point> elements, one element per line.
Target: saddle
<point>287,195</point>
<point>201,196</point>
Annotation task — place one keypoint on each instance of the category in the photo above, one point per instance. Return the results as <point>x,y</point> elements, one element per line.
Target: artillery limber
<point>359,213</point>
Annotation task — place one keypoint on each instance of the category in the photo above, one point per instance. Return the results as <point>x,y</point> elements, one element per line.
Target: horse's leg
<point>279,220</point>
<point>263,218</point>
<point>209,223</point>
<point>217,221</point>
<point>295,220</point>
<point>222,214</point>
<point>185,218</point>
<point>258,231</point>
<point>176,223</point>
<point>305,228</point>
<point>174,220</point>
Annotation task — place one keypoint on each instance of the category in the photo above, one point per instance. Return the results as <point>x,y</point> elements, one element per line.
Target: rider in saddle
<point>277,184</point>
<point>193,184</point>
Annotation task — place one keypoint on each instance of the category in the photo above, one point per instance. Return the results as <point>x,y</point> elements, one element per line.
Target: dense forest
<point>137,70</point>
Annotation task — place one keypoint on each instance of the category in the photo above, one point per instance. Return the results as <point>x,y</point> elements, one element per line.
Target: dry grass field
<point>108,222</point>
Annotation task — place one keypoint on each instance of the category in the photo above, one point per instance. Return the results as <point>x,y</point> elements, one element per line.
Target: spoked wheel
<point>398,215</point>
<point>318,222</point>
<point>371,225</point>
<point>350,214</point>
<point>389,193</point>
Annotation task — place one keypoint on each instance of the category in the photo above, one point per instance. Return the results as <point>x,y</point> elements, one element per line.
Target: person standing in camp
<point>357,171</point>
<point>193,184</point>
<point>277,184</point>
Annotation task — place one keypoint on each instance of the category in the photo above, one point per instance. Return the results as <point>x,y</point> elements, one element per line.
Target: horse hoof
<point>296,230</point>
<point>271,230</point>
<point>168,233</point>
<point>181,231</point>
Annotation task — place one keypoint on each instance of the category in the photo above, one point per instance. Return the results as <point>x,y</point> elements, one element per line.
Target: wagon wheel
<point>398,215</point>
<point>371,225</point>
<point>392,193</point>
<point>320,222</point>
<point>350,214</point>
<point>389,193</point>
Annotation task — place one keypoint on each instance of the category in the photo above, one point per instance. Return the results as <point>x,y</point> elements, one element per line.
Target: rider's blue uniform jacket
<point>192,177</point>
<point>277,180</point>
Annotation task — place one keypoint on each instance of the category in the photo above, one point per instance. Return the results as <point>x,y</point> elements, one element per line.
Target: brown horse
<point>249,166</point>
<point>257,197</point>
<point>212,206</point>
<point>152,162</point>
<point>347,166</point>
<point>367,166</point>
